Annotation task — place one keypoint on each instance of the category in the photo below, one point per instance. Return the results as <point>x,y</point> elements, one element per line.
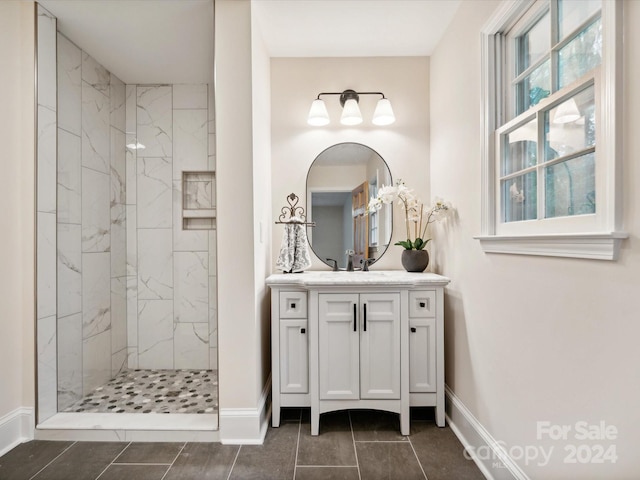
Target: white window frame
<point>599,240</point>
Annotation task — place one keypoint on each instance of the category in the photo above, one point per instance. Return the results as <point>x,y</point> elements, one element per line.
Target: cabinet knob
<point>293,305</point>
<point>422,304</point>
<point>303,330</point>
<point>413,330</point>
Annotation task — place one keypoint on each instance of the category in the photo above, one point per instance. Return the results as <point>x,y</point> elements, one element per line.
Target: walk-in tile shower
<point>126,295</point>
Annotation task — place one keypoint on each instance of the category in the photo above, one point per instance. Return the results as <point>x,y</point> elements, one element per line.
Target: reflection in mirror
<point>340,182</point>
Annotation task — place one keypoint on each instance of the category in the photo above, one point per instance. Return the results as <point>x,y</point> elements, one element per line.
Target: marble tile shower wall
<point>46,214</point>
<point>91,256</point>
<point>171,272</point>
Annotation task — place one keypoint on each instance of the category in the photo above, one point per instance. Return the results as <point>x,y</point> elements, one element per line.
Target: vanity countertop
<point>372,278</point>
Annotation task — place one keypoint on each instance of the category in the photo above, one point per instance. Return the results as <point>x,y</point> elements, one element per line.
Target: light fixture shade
<point>567,112</point>
<point>383,115</point>
<point>318,115</point>
<point>351,113</point>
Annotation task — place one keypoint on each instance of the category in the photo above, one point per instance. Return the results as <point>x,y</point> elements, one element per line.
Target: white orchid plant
<point>415,212</point>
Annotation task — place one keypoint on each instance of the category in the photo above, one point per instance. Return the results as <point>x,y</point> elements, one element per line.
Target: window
<point>551,175</point>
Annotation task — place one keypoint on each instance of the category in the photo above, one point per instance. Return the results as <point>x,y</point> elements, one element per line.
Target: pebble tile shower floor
<point>154,391</point>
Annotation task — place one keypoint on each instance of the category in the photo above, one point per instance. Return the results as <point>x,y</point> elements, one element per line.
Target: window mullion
<point>540,164</point>
<point>529,69</point>
<point>571,156</point>
<point>555,34</point>
<point>570,36</point>
<point>503,105</point>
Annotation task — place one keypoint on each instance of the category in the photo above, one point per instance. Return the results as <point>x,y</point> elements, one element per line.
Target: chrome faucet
<point>335,264</point>
<point>366,262</point>
<point>350,254</point>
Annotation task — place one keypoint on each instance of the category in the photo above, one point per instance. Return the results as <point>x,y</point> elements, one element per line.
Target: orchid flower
<point>415,212</point>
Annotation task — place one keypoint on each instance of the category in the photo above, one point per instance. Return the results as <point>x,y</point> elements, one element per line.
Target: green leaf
<point>420,244</point>
<point>405,243</point>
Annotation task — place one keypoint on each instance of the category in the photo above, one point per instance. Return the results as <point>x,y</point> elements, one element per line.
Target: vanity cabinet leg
<point>440,421</point>
<point>275,416</point>
<point>315,423</point>
<point>405,424</point>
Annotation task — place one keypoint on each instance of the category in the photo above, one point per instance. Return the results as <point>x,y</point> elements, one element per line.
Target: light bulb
<point>318,115</point>
<point>351,113</point>
<point>383,115</point>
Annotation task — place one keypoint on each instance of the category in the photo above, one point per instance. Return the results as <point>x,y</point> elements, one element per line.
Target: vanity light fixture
<point>383,114</point>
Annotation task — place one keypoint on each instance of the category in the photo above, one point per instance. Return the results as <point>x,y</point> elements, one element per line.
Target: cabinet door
<point>294,356</point>
<point>338,346</point>
<point>422,355</point>
<point>380,346</point>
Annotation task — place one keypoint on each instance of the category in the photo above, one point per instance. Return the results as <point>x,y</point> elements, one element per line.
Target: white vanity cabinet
<point>294,346</point>
<point>349,340</point>
<point>359,346</point>
<point>422,342</point>
<point>289,350</point>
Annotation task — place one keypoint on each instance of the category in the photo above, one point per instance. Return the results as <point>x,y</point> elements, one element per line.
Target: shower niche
<point>126,289</point>
<point>198,200</point>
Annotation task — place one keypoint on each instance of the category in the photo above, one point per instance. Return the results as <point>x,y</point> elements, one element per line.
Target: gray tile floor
<point>358,445</point>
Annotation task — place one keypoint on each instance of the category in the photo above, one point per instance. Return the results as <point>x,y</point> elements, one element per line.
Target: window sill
<point>595,246</point>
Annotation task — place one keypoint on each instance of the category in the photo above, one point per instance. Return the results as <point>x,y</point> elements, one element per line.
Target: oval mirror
<point>340,182</point>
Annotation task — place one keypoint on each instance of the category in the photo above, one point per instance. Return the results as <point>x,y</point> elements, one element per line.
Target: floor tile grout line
<point>120,454</point>
<point>295,465</point>
<point>141,463</point>
<point>355,450</point>
<point>328,466</point>
<point>174,460</point>
<point>234,462</point>
<point>381,441</point>
<point>418,460</point>
<point>53,460</point>
<point>117,456</point>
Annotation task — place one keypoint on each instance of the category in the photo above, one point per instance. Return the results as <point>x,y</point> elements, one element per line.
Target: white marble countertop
<point>342,278</point>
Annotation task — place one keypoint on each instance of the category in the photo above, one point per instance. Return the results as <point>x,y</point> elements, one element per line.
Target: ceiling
<point>142,41</point>
<point>171,41</point>
<point>353,28</point>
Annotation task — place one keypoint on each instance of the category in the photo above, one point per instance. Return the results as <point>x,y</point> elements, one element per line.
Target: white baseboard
<point>489,455</point>
<point>246,426</point>
<point>16,427</point>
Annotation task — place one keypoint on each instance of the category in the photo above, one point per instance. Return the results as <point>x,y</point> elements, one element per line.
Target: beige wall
<point>237,329</point>
<point>262,199</point>
<point>244,218</point>
<point>295,83</point>
<point>17,199</point>
<point>533,339</point>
